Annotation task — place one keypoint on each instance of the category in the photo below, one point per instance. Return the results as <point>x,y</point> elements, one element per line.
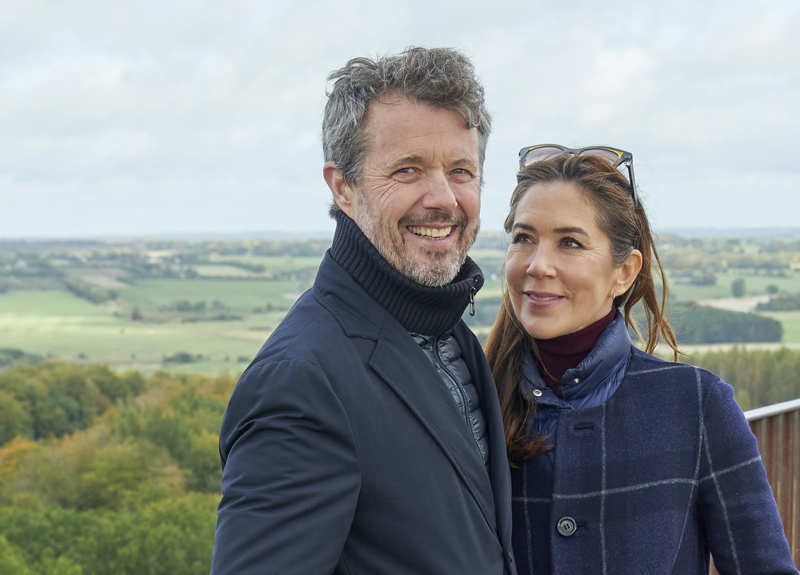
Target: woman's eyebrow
<point>571,230</point>
<point>523,226</point>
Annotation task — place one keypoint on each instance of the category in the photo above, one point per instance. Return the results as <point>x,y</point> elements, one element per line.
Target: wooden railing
<point>777,428</point>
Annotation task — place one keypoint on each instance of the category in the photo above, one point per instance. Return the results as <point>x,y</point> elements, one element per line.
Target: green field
<point>791,324</point>
<point>59,325</point>
<point>241,296</point>
<point>226,271</point>
<point>224,305</point>
<point>271,263</point>
<point>754,285</point>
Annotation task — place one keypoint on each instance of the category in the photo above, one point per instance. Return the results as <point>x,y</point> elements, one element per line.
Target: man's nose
<point>440,193</point>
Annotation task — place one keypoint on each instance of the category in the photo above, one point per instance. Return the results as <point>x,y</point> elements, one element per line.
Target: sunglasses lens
<point>608,155</point>
<point>540,154</point>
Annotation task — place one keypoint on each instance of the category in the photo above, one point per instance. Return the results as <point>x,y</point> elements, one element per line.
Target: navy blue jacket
<point>654,467</point>
<point>343,451</point>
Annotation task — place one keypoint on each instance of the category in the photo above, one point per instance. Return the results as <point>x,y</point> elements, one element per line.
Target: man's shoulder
<point>306,325</point>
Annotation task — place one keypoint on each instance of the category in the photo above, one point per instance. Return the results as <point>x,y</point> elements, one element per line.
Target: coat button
<point>537,393</point>
<point>566,526</point>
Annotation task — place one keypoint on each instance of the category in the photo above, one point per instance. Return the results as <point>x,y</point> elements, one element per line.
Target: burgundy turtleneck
<point>566,351</point>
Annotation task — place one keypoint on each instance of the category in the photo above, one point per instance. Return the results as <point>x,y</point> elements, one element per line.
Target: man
<point>366,436</point>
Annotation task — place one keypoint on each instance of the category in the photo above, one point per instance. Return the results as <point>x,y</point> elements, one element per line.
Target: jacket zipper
<point>459,389</point>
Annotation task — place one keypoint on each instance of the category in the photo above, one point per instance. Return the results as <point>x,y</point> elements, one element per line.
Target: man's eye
<point>462,174</point>
<point>571,243</point>
<point>521,238</point>
<point>405,173</point>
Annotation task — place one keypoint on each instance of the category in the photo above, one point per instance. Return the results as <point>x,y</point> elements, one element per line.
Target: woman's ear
<point>343,194</point>
<point>627,273</point>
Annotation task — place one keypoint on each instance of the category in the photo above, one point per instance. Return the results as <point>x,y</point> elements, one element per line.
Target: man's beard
<point>440,267</point>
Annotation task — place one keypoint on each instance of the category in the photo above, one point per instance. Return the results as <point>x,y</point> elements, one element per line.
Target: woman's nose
<point>541,264</point>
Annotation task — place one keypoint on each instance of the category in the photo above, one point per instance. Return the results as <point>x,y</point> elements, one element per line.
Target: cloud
<point>206,116</point>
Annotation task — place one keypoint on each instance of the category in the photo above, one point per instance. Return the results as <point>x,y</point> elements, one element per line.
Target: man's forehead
<point>406,126</point>
<point>398,101</point>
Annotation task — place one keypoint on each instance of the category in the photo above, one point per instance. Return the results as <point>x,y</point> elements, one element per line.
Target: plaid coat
<point>654,467</point>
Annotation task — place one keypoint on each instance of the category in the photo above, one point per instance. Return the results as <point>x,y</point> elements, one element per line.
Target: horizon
<point>283,235</point>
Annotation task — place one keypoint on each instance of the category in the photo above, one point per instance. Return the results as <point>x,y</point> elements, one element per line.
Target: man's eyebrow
<point>464,162</point>
<point>405,160</point>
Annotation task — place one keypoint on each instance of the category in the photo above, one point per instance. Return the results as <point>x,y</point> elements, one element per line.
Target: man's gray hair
<point>441,77</point>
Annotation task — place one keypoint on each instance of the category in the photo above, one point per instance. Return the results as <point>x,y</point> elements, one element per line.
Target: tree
<point>12,559</point>
<point>14,419</point>
<point>738,287</point>
<point>772,289</point>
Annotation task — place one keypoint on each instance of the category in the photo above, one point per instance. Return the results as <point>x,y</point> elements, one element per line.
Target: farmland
<point>207,305</point>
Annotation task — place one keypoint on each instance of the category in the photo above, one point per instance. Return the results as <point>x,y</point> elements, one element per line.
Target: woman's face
<point>560,274</point>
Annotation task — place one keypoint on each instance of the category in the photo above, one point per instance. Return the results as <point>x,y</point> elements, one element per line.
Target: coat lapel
<point>403,366</point>
<point>408,372</point>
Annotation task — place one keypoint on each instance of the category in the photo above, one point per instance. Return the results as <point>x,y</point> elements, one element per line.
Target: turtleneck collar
<point>595,376</point>
<point>418,308</point>
<point>561,353</point>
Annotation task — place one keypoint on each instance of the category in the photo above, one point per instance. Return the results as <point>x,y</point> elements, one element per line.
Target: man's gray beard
<point>430,276</point>
<point>437,276</point>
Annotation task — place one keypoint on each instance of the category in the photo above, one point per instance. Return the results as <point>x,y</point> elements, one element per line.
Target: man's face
<point>418,199</point>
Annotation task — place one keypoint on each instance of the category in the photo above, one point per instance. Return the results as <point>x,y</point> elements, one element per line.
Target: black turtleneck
<point>418,308</point>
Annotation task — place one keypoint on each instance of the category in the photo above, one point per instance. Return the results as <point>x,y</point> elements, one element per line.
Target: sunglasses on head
<point>531,154</point>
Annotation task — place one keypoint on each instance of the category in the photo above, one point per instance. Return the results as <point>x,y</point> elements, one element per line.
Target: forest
<point>107,472</point>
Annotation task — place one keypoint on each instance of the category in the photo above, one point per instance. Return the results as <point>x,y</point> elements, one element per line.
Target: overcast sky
<point>168,117</point>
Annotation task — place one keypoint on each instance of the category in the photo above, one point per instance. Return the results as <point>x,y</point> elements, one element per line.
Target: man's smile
<point>431,232</point>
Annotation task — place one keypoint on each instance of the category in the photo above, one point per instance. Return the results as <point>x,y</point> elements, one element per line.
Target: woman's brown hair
<point>627,227</point>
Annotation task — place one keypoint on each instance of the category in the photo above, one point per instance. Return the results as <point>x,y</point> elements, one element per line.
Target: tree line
<point>692,323</point>
<point>131,487</point>
<point>124,478</point>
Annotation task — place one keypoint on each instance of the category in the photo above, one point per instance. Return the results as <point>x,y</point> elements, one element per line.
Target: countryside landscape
<point>117,357</point>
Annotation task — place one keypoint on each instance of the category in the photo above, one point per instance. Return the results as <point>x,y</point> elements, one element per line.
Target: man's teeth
<point>430,232</point>
<point>544,297</point>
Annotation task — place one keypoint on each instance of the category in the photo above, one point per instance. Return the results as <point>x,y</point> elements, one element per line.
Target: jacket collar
<point>418,308</point>
<point>594,374</point>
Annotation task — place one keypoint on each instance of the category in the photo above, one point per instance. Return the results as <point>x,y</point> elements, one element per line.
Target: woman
<point>622,462</point>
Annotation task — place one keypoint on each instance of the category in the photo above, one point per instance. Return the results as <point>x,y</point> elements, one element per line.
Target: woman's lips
<point>543,299</point>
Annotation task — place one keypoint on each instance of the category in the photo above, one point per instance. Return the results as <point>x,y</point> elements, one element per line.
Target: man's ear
<point>628,272</point>
<point>343,194</point>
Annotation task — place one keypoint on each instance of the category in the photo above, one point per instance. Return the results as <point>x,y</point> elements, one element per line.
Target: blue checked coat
<point>654,468</point>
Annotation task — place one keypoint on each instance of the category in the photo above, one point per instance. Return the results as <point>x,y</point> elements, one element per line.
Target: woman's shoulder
<point>648,366</point>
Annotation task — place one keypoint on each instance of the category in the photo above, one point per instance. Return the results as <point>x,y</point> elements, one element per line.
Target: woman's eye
<point>571,243</point>
<point>520,238</point>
